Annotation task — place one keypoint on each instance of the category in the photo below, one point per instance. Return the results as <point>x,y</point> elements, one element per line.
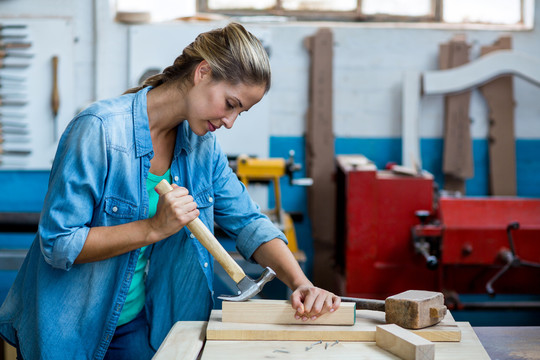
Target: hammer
<point>412,309</point>
<point>247,287</point>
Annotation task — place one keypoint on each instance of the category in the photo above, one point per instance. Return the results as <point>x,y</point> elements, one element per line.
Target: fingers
<point>182,204</point>
<point>312,302</point>
<point>176,209</point>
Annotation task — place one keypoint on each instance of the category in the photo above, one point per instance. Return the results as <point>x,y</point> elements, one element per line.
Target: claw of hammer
<point>247,287</point>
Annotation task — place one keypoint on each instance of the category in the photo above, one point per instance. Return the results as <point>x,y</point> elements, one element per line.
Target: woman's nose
<point>228,121</point>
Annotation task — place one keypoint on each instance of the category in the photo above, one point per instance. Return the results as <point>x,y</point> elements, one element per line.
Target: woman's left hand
<point>310,302</point>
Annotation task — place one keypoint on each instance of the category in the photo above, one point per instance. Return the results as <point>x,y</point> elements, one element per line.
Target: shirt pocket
<point>205,202</point>
<point>119,208</point>
<point>204,198</point>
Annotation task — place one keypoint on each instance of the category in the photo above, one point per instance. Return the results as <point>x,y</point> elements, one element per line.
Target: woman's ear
<point>202,71</point>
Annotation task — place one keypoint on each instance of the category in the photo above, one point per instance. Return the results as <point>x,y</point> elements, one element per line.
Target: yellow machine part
<point>289,232</point>
<point>272,169</point>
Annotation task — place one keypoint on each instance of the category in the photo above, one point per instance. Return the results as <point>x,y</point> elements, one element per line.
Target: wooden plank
<point>458,163</point>
<point>499,95</point>
<point>320,157</point>
<point>469,348</point>
<point>481,71</point>
<point>404,343</point>
<point>281,312</point>
<point>362,330</point>
<point>184,341</point>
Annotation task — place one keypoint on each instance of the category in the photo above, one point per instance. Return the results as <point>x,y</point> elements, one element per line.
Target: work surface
<point>468,348</point>
<point>176,347</point>
<point>188,337</point>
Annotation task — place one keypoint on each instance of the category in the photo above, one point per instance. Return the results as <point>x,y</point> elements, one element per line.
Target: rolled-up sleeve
<point>236,213</point>
<point>75,188</point>
<point>255,234</point>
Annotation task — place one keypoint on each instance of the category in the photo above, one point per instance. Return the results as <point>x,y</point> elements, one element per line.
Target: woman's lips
<point>211,127</point>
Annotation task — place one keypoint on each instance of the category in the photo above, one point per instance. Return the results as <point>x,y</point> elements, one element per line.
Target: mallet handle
<point>366,304</point>
<point>208,240</point>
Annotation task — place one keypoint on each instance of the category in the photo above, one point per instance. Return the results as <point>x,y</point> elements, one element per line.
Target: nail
<point>317,343</point>
<point>332,310</point>
<point>337,341</point>
<point>281,351</point>
<point>308,348</point>
<point>297,317</point>
<point>313,318</point>
<point>325,346</point>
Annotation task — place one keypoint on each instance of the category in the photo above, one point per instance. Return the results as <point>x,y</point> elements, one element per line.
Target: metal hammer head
<point>247,287</point>
<point>415,309</point>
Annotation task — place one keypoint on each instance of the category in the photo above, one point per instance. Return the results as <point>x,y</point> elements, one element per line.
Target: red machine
<point>396,234</point>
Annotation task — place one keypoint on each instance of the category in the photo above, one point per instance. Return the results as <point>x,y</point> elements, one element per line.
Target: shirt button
<point>114,209</point>
<point>205,264</point>
<point>210,199</point>
<point>192,236</point>
<point>176,178</point>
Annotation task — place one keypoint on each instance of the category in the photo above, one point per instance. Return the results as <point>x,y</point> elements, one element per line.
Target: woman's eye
<point>229,105</point>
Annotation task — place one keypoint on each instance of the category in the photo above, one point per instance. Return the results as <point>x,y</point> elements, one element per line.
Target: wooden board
<point>281,312</point>
<point>404,343</point>
<point>458,164</point>
<point>499,95</point>
<point>481,71</point>
<point>363,330</point>
<point>320,157</point>
<point>469,348</point>
<point>184,341</point>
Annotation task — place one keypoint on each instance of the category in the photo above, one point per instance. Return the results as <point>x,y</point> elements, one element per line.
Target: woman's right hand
<point>175,210</point>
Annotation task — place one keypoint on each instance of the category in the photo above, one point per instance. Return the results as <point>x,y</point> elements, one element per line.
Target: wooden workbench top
<point>173,348</point>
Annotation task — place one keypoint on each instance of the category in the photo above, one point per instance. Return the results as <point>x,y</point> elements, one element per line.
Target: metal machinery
<point>396,232</point>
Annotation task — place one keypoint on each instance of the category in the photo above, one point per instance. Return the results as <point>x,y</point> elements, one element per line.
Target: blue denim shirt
<point>60,310</point>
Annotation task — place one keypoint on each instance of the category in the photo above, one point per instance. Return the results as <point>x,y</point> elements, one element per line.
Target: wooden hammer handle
<point>208,240</point>
<point>366,304</point>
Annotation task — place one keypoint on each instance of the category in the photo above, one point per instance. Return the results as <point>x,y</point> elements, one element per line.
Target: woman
<point>113,266</point>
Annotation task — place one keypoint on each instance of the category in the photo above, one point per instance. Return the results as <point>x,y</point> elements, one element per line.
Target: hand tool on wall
<point>17,54</point>
<point>13,124</point>
<point>11,130</point>
<point>11,78</point>
<point>247,287</point>
<point>412,309</point>
<point>55,96</point>
<point>14,44</point>
<point>8,102</point>
<point>4,64</point>
<point>16,152</point>
<point>14,139</point>
<point>11,115</point>
<point>12,26</point>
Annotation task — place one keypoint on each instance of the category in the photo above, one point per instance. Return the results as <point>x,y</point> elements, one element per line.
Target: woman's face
<point>213,104</point>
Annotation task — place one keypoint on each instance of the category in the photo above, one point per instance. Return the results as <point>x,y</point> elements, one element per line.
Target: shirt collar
<point>143,141</point>
<point>182,138</point>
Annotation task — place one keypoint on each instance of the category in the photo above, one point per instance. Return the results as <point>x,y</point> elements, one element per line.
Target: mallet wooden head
<point>415,309</point>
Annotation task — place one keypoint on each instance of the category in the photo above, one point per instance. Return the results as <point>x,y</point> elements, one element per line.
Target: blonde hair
<point>233,54</point>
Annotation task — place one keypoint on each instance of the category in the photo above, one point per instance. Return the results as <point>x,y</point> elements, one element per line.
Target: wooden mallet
<point>412,309</point>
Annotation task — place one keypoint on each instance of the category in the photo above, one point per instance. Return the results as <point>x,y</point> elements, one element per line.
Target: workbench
<point>478,343</point>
